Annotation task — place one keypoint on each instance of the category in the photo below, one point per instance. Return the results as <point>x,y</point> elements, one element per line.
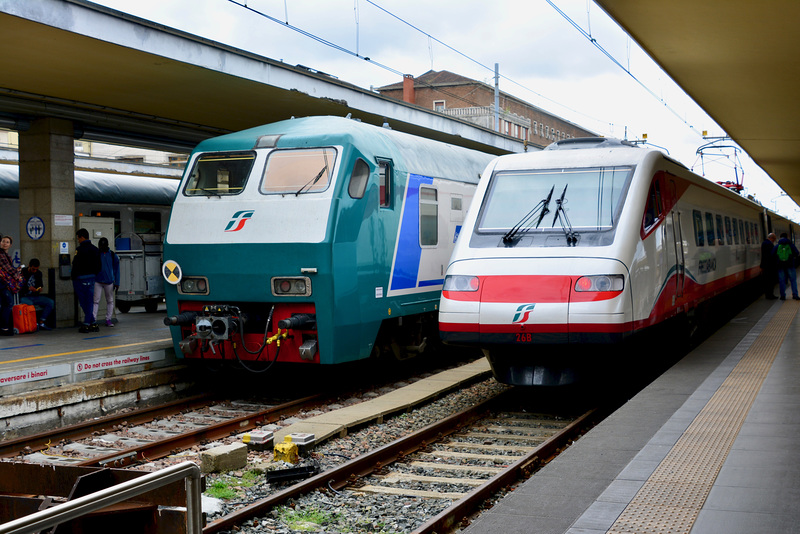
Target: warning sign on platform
<point>117,361</point>
<point>34,373</point>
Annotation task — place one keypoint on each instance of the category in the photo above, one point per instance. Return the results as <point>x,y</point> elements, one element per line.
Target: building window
<point>439,105</point>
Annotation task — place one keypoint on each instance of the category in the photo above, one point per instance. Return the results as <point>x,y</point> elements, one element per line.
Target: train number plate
<point>524,337</point>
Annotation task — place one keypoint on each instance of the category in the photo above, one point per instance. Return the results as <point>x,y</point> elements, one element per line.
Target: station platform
<point>709,447</point>
<point>51,358</point>
<point>60,377</point>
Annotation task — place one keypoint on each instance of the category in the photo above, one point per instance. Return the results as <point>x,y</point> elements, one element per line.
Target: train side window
<point>147,222</point>
<point>741,230</point>
<point>749,230</point>
<point>697,218</point>
<point>358,179</point>
<point>710,229</point>
<point>728,231</point>
<point>735,232</point>
<point>385,182</point>
<point>720,238</point>
<point>217,173</point>
<point>428,217</point>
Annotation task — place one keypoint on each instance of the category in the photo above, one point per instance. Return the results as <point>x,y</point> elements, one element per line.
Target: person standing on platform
<point>85,266</point>
<point>769,267</point>
<point>31,291</point>
<point>10,282</point>
<point>786,254</point>
<point>107,280</point>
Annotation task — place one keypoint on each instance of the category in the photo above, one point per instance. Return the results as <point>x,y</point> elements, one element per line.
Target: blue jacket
<point>109,273</point>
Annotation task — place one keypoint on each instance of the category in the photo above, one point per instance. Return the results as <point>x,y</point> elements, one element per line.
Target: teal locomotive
<point>321,240</point>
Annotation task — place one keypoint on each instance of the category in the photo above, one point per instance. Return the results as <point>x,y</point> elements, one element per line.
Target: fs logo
<point>523,312</point>
<point>238,220</point>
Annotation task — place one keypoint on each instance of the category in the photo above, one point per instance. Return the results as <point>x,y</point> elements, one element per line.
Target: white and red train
<point>585,244</point>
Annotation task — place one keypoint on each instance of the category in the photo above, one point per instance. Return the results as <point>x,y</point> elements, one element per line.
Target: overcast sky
<point>543,59</point>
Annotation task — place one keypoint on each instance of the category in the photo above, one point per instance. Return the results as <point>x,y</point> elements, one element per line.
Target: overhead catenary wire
<point>357,54</point>
<point>341,48</point>
<point>473,60</point>
<point>431,38</point>
<point>610,56</point>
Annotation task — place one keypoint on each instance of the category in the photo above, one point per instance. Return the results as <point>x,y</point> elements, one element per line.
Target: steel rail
<point>164,447</point>
<point>42,440</point>
<point>360,466</point>
<point>522,468</point>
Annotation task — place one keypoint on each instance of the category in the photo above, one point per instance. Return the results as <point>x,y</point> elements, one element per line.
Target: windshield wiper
<point>542,208</point>
<point>209,192</point>
<point>561,216</point>
<point>314,180</point>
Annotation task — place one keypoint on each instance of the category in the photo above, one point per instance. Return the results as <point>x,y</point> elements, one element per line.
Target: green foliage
<point>226,487</point>
<point>220,489</point>
<point>305,520</point>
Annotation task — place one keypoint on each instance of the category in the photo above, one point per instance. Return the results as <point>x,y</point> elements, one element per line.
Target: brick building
<point>471,100</point>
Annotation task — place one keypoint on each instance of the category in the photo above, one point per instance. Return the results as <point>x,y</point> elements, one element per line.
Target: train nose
<point>525,309</point>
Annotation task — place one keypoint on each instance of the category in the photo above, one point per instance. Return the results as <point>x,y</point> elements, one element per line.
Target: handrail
<point>51,517</point>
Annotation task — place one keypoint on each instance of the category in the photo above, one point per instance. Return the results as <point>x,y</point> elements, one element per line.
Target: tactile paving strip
<point>671,498</point>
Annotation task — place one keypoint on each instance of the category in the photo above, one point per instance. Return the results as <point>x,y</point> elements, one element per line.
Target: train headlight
<point>460,282</point>
<point>193,285</point>
<point>603,282</point>
<point>291,286</point>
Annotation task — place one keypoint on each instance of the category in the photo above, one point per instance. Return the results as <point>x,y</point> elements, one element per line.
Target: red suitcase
<point>24,318</point>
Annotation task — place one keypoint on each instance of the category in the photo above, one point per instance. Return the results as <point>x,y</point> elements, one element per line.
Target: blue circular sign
<point>35,228</point>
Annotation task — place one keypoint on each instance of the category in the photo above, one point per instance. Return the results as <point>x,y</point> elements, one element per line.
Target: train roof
<point>409,153</point>
<point>104,187</point>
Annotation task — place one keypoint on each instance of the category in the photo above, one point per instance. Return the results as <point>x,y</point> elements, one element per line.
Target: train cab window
<point>147,222</point>
<point>297,171</point>
<point>720,231</point>
<point>217,174</point>
<point>728,231</point>
<point>385,181</point>
<point>735,232</point>
<point>654,209</point>
<point>710,229</point>
<point>428,217</point>
<point>697,219</point>
<point>358,179</point>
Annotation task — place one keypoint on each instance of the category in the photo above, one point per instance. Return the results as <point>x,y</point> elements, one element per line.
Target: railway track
<point>461,460</point>
<point>477,453</point>
<point>86,444</point>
